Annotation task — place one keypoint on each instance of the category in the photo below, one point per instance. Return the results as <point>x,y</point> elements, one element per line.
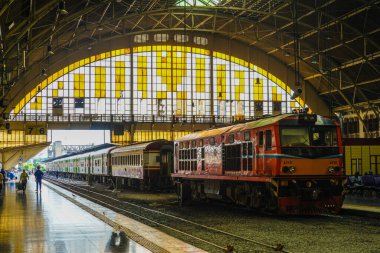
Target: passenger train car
<point>146,165</point>
<point>291,163</point>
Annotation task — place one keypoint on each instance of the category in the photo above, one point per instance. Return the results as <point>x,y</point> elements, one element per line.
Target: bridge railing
<point>122,118</point>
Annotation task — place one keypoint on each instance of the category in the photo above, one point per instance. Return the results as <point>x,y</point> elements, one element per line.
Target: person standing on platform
<point>3,173</point>
<point>24,179</point>
<point>1,182</point>
<point>38,175</point>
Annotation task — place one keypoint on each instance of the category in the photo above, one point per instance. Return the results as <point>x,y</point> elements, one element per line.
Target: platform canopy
<point>329,49</point>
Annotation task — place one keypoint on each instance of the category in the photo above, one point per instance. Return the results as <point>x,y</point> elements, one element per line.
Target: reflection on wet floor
<point>47,222</point>
<point>360,200</point>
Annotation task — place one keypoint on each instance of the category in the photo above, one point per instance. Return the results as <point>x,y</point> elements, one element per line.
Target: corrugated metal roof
<point>233,128</point>
<point>250,125</point>
<point>133,147</point>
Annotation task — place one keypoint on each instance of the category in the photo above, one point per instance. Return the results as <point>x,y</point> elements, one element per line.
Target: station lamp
<point>62,8</point>
<point>50,50</point>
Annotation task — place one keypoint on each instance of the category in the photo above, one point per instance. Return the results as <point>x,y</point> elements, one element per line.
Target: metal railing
<point>123,118</point>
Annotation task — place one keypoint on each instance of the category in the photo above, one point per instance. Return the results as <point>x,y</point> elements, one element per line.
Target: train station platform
<point>56,220</point>
<point>47,222</point>
<point>362,205</point>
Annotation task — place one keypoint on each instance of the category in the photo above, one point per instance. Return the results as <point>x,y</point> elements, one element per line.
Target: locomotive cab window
<point>247,136</point>
<point>261,138</point>
<point>324,136</point>
<point>268,139</point>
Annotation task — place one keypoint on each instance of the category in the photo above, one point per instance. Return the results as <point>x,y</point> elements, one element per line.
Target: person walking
<point>24,179</point>
<point>38,175</point>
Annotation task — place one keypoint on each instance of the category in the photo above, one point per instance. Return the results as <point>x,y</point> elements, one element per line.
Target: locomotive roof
<point>141,146</point>
<point>249,125</point>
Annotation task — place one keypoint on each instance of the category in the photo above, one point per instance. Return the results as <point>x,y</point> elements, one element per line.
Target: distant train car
<point>291,163</point>
<point>146,165</point>
<point>80,164</point>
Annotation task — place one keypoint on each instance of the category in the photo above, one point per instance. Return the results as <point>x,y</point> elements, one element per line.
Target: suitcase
<point>19,186</point>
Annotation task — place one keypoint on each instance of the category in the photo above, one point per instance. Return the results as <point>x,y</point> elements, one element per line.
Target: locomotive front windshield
<point>309,136</point>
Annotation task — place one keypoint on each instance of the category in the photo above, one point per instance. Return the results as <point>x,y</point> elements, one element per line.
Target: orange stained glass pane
<point>239,88</point>
<point>37,104</point>
<point>79,85</point>
<point>28,96</point>
<point>161,94</point>
<point>100,82</point>
<point>221,81</point>
<point>258,89</point>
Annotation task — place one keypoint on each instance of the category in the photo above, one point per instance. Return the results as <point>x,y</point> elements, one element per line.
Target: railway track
<point>182,228</point>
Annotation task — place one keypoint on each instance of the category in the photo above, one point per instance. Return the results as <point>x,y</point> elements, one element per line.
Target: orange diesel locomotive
<point>291,163</point>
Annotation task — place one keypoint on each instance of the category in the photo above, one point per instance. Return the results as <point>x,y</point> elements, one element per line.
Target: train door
<point>260,147</point>
<point>88,163</point>
<point>166,161</point>
<point>247,153</point>
<point>109,164</point>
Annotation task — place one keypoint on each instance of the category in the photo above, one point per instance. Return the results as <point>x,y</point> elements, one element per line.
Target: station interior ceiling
<point>332,46</point>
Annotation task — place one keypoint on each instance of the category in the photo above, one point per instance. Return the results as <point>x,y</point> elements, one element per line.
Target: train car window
<point>194,153</point>
<point>231,138</point>
<point>268,139</point>
<point>203,153</point>
<point>212,141</point>
<point>261,138</point>
<point>232,157</point>
<point>200,143</point>
<point>194,165</point>
<point>187,144</point>
<point>193,144</point>
<point>247,136</point>
<point>250,149</point>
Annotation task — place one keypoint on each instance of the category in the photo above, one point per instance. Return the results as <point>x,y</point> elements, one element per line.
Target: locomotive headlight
<point>288,169</point>
<point>331,169</point>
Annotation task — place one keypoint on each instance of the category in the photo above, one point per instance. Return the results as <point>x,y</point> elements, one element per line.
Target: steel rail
<point>276,248</point>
